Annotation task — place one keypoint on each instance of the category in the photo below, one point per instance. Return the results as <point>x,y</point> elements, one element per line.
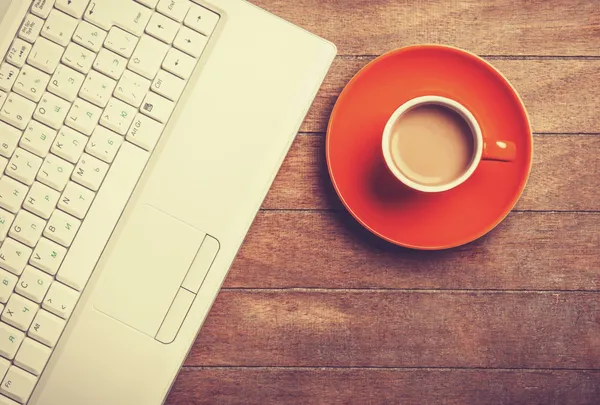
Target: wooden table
<point>315,310</point>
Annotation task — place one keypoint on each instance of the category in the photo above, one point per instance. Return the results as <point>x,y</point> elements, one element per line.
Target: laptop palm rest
<point>146,269</point>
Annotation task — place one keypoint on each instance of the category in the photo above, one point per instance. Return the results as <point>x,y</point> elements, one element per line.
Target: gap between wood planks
<point>424,368</point>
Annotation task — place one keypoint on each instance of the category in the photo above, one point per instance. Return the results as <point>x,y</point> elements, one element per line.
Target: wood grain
<point>561,96</point>
<point>499,27</point>
<point>401,329</point>
<point>260,386</point>
<point>565,176</point>
<point>536,251</point>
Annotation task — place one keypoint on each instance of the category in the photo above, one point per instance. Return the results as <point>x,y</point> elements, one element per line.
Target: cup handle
<point>501,151</point>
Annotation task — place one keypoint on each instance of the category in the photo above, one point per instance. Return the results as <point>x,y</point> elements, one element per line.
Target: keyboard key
<point>83,116</point>
<point>45,55</point>
<point>62,228</point>
<point>97,88</point>
<point>61,300</point>
<point>104,144</point>
<point>179,63</point>
<point>168,85</point>
<point>46,328</point>
<point>19,312</point>
<point>18,52</point>
<point>74,8</point>
<point>148,56</point>
<point>175,9</point>
<point>132,88</point>
<point>41,200</point>
<point>6,220</point>
<point>33,284</point>
<point>110,64</point>
<point>7,285</point>
<point>17,111</point>
<point>69,144</point>
<point>3,399</point>
<point>144,132</point>
<point>37,138</point>
<point>148,3</point>
<point>157,107</point>
<point>103,216</point>
<point>18,384</point>
<point>55,172</point>
<point>90,172</point>
<point>31,83</point>
<point>9,139</point>
<point>27,228</point>
<point>121,42</point>
<point>163,28</point>
<point>76,200</point>
<point>8,75</point>
<point>23,166</point>
<point>52,110</point>
<point>42,8</point>
<point>12,194</point>
<point>59,27</point>
<point>89,36</point>
<point>66,83</point>
<point>30,30</point>
<point>202,20</point>
<point>48,256</point>
<point>13,257</point>
<point>128,15</point>
<point>118,116</point>
<point>78,58</point>
<point>10,340</point>
<point>32,356</point>
<point>190,42</point>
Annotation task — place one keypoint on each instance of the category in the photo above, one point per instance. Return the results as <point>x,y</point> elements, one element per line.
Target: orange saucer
<point>380,202</point>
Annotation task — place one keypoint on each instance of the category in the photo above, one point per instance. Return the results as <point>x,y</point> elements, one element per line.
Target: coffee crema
<point>432,145</point>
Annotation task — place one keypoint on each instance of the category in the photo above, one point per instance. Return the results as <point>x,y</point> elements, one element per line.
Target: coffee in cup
<point>434,144</point>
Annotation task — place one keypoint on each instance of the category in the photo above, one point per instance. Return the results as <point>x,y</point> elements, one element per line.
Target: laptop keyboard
<point>85,92</point>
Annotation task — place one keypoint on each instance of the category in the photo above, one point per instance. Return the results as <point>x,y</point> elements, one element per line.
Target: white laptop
<point>138,140</point>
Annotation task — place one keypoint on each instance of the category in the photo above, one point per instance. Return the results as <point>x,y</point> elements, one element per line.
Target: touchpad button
<point>145,268</point>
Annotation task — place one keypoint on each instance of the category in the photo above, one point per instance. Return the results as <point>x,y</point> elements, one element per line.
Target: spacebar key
<point>103,216</point>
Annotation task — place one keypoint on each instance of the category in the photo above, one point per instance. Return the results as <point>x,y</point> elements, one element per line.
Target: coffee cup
<point>433,144</point>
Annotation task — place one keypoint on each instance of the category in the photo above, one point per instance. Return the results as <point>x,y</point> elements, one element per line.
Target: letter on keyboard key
<point>66,82</point>
<point>6,220</point>
<point>89,36</point>
<point>76,200</point>
<point>61,300</point>
<point>103,216</point>
<point>13,257</point>
<point>17,53</point>
<point>118,116</point>
<point>37,138</point>
<point>7,285</point>
<point>83,116</point>
<point>78,58</point>
<point>46,328</point>
<point>33,284</point>
<point>32,356</point>
<point>17,111</point>
<point>23,166</point>
<point>12,194</point>
<point>148,56</point>
<point>69,144</point>
<point>19,312</point>
<point>9,138</point>
<point>157,107</point>
<point>55,172</point>
<point>10,340</point>
<point>97,88</point>
<point>104,144</point>
<point>90,172</point>
<point>62,228</point>
<point>27,228</point>
<point>48,256</point>
<point>41,200</point>
<point>52,110</point>
<point>18,384</point>
<point>110,64</point>
<point>130,16</point>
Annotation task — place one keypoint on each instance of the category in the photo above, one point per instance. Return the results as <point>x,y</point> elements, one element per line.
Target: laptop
<point>138,140</point>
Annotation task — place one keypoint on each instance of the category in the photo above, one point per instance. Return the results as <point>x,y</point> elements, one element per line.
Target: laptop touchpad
<point>145,268</point>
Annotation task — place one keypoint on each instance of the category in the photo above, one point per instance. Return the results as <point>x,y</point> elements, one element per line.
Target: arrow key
<point>74,8</point>
<point>162,28</point>
<point>190,42</point>
<point>179,63</point>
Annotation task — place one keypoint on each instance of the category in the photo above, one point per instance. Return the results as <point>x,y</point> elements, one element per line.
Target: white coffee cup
<point>483,147</point>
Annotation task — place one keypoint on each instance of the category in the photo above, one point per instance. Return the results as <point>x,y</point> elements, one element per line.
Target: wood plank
<point>499,27</point>
<point>379,386</point>
<point>561,96</point>
<point>401,329</point>
<point>545,251</point>
<point>565,176</point>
